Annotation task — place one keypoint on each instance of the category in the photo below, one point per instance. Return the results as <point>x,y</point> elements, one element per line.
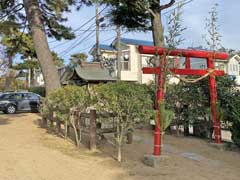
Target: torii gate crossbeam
<point>210,56</point>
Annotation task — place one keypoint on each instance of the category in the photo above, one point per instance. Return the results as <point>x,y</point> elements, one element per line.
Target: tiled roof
<point>90,72</point>
<point>94,74</point>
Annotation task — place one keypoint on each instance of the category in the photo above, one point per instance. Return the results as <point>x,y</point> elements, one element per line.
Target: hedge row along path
<point>28,152</point>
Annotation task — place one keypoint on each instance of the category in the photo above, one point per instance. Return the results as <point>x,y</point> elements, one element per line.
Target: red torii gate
<point>210,56</point>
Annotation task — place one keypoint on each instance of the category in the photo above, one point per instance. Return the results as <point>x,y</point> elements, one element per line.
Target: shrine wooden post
<point>210,56</point>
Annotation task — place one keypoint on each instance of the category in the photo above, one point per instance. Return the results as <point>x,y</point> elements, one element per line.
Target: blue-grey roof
<point>136,42</point>
<point>103,47</point>
<point>123,41</point>
<point>106,47</point>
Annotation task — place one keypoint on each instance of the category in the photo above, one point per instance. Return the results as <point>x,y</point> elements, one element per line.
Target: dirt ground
<point>28,152</point>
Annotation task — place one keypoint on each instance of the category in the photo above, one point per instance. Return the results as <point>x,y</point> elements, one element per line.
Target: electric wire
<point>69,49</point>
<point>111,38</point>
<point>68,41</point>
<point>85,23</point>
<point>184,2</point>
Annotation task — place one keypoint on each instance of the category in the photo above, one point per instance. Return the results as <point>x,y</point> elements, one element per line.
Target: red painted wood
<point>159,99</point>
<point>151,70</point>
<point>182,52</point>
<point>210,56</point>
<point>199,72</point>
<point>213,102</point>
<point>188,63</point>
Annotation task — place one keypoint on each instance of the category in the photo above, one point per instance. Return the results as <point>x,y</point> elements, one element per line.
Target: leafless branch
<point>145,8</point>
<point>165,6</point>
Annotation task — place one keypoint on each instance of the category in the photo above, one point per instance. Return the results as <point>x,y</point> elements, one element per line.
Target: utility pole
<point>98,58</point>
<point>119,53</point>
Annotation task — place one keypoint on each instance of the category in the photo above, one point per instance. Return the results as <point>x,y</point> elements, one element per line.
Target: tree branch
<point>165,6</point>
<point>139,4</point>
<point>15,9</point>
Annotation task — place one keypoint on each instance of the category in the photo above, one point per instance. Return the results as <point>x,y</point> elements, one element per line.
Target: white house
<point>38,76</point>
<point>231,67</point>
<point>132,61</point>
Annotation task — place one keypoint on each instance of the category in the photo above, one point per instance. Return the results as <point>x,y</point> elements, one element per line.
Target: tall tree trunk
<point>157,29</point>
<point>50,74</point>
<point>8,76</point>
<point>158,38</point>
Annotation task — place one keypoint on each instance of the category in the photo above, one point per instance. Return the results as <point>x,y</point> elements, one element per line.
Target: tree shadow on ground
<point>180,152</point>
<point>7,118</point>
<point>4,121</point>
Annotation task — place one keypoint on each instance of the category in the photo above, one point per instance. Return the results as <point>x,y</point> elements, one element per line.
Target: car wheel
<point>11,109</point>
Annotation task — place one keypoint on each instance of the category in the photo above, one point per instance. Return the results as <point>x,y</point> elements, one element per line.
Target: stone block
<point>152,160</point>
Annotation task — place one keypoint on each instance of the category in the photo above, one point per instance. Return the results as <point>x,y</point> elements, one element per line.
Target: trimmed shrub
<point>38,90</point>
<point>130,103</point>
<point>63,99</point>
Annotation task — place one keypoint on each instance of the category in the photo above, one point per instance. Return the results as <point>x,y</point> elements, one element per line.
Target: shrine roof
<point>89,71</point>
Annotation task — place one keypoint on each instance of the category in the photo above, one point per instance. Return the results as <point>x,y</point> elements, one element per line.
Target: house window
<point>236,67</point>
<point>147,61</point>
<point>125,62</point>
<point>221,67</point>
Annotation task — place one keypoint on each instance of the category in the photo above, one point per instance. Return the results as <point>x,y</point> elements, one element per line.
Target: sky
<point>194,15</point>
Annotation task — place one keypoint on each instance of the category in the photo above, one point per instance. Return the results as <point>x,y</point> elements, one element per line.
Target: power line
<point>84,24</point>
<point>75,43</point>
<point>101,41</point>
<point>90,19</point>
<point>59,45</point>
<point>69,49</point>
<point>13,10</point>
<point>111,38</point>
<point>184,2</point>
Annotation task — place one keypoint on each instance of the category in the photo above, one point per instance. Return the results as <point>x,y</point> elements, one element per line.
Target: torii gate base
<point>209,56</point>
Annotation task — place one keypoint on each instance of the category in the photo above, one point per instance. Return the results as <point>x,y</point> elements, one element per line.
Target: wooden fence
<point>82,123</point>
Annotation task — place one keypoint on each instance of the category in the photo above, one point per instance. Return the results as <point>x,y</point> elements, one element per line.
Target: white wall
<point>39,79</point>
<point>233,67</point>
<point>146,78</point>
<point>132,73</point>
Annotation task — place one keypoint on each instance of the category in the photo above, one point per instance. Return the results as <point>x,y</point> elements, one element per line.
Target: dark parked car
<point>11,102</point>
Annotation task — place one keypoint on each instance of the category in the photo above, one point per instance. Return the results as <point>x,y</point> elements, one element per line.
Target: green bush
<point>232,108</point>
<point>38,90</point>
<point>129,101</point>
<point>63,99</point>
<point>235,129</point>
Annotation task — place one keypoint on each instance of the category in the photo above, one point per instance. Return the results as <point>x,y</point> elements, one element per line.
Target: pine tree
<point>140,15</point>
<point>42,18</point>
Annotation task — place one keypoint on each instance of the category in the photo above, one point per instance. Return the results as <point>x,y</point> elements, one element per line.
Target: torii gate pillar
<point>209,56</point>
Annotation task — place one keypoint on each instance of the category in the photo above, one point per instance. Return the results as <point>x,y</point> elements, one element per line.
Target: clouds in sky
<point>194,17</point>
<point>196,13</point>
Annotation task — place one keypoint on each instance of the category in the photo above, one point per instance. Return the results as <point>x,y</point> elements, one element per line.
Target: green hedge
<point>38,90</point>
<point>63,99</point>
